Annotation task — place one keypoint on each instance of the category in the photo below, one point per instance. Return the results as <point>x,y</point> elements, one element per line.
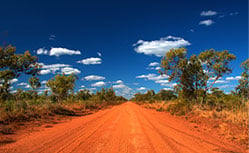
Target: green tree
<point>12,65</point>
<point>243,88</point>
<point>61,85</point>
<point>192,74</point>
<point>187,73</point>
<point>84,94</point>
<point>215,64</point>
<point>166,95</point>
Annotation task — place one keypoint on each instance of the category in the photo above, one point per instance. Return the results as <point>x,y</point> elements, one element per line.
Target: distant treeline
<point>59,98</point>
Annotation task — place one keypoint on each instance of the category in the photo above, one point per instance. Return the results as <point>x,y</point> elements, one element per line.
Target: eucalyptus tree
<point>12,65</point>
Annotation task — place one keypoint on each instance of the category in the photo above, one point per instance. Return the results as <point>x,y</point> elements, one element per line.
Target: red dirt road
<point>124,128</point>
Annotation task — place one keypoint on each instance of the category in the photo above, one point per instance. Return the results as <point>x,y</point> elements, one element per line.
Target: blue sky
<point>112,43</point>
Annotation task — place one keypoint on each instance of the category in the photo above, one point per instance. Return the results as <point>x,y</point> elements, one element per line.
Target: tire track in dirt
<point>124,128</point>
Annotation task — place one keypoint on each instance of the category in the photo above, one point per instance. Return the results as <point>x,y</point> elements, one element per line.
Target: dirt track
<point>124,128</point>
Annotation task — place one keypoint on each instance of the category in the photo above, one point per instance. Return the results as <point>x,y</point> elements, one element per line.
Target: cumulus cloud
<point>154,64</point>
<point>221,81</point>
<point>44,72</point>
<point>141,88</point>
<point>42,51</point>
<point>22,84</point>
<point>233,78</point>
<point>63,51</point>
<point>70,70</point>
<point>208,13</point>
<point>167,88</point>
<point>122,89</point>
<point>62,68</point>
<point>171,85</point>
<point>27,86</point>
<point>162,81</point>
<point>153,77</point>
<point>206,22</point>
<point>161,46</point>
<point>119,81</point>
<point>98,84</point>
<point>93,78</point>
<point>57,51</point>
<point>91,60</point>
<point>13,80</point>
<point>44,82</point>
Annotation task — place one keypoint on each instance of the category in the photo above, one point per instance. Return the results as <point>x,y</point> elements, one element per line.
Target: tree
<point>12,65</point>
<point>84,94</point>
<point>243,88</point>
<point>34,82</point>
<point>61,85</point>
<point>192,74</point>
<point>166,95</point>
<point>215,64</point>
<point>187,73</point>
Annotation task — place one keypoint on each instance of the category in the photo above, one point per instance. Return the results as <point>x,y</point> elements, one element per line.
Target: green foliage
<point>192,73</point>
<point>216,64</point>
<point>243,88</point>
<point>61,85</point>
<point>12,65</point>
<point>150,96</point>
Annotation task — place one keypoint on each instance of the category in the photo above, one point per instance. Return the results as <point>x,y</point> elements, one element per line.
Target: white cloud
<point>53,67</point>
<point>233,78</point>
<point>167,88</point>
<point>44,72</point>
<point>63,51</point>
<point>13,91</point>
<point>206,22</point>
<point>122,89</point>
<point>208,13</point>
<point>63,68</point>
<point>221,81</point>
<point>141,88</point>
<point>13,80</point>
<point>119,81</point>
<point>98,84</point>
<point>69,70</point>
<point>153,77</point>
<point>162,81</point>
<point>58,51</point>
<point>82,86</point>
<point>22,84</point>
<point>226,86</point>
<point>42,51</point>
<point>161,46</point>
<point>91,60</point>
<point>169,84</point>
<point>94,77</point>
<point>154,64</point>
<point>99,54</point>
<point>119,86</point>
<point>44,82</point>
<point>27,86</point>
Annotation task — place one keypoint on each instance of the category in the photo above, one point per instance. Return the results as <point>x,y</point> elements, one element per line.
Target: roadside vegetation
<point>58,99</point>
<point>195,93</point>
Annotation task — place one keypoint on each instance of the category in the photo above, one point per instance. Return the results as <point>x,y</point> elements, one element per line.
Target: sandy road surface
<point>124,128</point>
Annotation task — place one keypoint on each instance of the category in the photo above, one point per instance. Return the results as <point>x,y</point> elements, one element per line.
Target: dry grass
<point>159,105</point>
